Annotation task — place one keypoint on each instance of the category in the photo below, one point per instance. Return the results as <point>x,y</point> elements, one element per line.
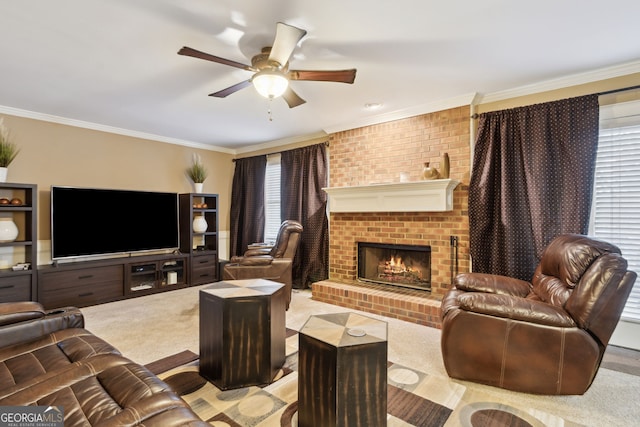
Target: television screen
<point>90,221</point>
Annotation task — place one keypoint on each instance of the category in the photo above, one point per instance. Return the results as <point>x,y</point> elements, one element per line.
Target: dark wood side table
<point>342,371</point>
<point>242,332</point>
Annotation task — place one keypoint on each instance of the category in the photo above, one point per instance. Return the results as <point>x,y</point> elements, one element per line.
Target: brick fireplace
<point>379,154</point>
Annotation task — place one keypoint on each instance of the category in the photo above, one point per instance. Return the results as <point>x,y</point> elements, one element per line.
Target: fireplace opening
<point>397,265</point>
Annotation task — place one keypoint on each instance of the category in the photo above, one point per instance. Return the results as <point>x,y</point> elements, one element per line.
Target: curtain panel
<point>532,180</point>
<point>303,175</point>
<point>247,204</point>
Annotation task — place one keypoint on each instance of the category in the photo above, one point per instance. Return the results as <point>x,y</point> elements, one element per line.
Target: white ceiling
<point>113,64</point>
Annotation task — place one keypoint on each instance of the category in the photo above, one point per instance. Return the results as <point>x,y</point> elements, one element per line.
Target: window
<point>272,198</point>
<point>615,215</point>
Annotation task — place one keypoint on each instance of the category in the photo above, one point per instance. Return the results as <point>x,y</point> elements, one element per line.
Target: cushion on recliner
<point>567,257</point>
<point>563,263</point>
<point>22,365</point>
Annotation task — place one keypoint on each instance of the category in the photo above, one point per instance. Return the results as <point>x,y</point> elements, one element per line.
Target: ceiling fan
<point>271,68</point>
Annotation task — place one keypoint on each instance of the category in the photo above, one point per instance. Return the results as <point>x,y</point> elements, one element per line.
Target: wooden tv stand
<point>86,283</point>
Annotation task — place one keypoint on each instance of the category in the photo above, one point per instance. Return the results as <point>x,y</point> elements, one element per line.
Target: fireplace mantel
<point>419,196</point>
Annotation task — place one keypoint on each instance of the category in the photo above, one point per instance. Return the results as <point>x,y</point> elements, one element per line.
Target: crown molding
<point>562,82</point>
<point>109,129</point>
<point>431,107</point>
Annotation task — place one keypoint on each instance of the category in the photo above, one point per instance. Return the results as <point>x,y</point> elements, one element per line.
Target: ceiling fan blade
<point>340,76</point>
<point>287,37</point>
<point>292,98</point>
<point>231,89</point>
<point>187,51</point>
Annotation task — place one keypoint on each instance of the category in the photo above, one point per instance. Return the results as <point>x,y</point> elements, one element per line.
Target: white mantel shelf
<point>419,196</point>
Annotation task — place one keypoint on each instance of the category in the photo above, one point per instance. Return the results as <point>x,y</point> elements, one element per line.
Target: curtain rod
<point>619,90</point>
<point>608,92</point>
<point>326,143</point>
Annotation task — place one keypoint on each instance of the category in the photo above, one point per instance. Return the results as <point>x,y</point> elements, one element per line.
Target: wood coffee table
<point>242,332</point>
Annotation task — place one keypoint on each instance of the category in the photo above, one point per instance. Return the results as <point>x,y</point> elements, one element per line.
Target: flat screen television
<point>89,222</point>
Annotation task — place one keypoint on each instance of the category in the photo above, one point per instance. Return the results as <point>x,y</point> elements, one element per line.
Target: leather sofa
<point>274,263</point>
<point>546,336</point>
<point>47,358</point>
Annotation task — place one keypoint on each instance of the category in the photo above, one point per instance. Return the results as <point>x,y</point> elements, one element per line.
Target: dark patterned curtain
<point>532,180</point>
<point>247,204</point>
<point>303,175</point>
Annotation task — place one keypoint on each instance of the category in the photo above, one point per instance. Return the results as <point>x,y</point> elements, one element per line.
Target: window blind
<point>616,200</point>
<point>272,198</point>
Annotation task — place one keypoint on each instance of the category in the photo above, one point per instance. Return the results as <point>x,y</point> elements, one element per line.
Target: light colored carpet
<point>156,326</point>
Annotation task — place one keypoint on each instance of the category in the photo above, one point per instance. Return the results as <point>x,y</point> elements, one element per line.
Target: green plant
<point>197,172</point>
<point>8,150</point>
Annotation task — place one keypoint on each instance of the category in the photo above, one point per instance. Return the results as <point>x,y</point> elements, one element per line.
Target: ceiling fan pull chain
<point>269,109</point>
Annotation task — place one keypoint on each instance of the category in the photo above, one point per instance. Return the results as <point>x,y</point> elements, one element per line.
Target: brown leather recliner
<point>543,337</point>
<point>274,263</point>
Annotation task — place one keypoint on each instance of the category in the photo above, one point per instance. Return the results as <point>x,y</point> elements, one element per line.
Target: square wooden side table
<point>242,332</point>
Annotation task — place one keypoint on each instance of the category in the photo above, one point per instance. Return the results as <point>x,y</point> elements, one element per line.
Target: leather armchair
<point>274,263</point>
<point>544,337</point>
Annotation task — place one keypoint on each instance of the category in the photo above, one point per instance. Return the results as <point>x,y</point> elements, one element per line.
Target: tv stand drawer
<point>204,269</point>
<point>81,287</point>
<point>15,288</point>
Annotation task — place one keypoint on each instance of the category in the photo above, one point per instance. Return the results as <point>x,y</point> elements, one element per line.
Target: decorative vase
<point>8,230</point>
<point>200,224</point>
<point>428,172</point>
<point>445,165</point>
<point>3,174</point>
<point>198,186</point>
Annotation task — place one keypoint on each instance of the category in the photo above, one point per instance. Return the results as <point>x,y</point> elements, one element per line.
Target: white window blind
<point>616,203</point>
<point>272,198</point>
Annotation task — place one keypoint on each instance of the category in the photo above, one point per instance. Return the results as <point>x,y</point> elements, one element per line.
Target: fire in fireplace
<point>398,265</point>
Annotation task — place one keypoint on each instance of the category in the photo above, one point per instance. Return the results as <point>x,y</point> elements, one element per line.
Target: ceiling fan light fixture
<point>270,83</point>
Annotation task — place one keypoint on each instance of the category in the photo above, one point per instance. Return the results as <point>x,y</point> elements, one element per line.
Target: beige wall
<point>56,154</point>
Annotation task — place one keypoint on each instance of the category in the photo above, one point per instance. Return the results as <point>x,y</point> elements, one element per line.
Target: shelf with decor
<point>153,275</point>
<point>18,241</point>
<point>199,235</point>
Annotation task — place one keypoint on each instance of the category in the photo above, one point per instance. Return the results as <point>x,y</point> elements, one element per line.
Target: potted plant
<point>198,173</point>
<point>8,150</point>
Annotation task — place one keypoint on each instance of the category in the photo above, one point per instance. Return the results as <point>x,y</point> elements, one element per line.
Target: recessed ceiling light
<point>372,105</point>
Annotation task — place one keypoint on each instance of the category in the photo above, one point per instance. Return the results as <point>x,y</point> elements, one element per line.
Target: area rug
<point>414,398</point>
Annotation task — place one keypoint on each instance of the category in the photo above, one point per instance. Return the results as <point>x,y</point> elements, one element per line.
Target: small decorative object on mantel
<point>445,166</point>
<point>429,173</point>
<point>8,150</point>
<point>198,173</point>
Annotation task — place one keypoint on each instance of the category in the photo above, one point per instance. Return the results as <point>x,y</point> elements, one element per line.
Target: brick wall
<point>378,154</point>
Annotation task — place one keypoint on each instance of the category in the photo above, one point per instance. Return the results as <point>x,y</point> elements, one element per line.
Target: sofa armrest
<point>516,308</point>
<point>16,312</point>
<point>26,321</point>
<point>258,251</point>
<point>258,260</point>
<point>492,284</point>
